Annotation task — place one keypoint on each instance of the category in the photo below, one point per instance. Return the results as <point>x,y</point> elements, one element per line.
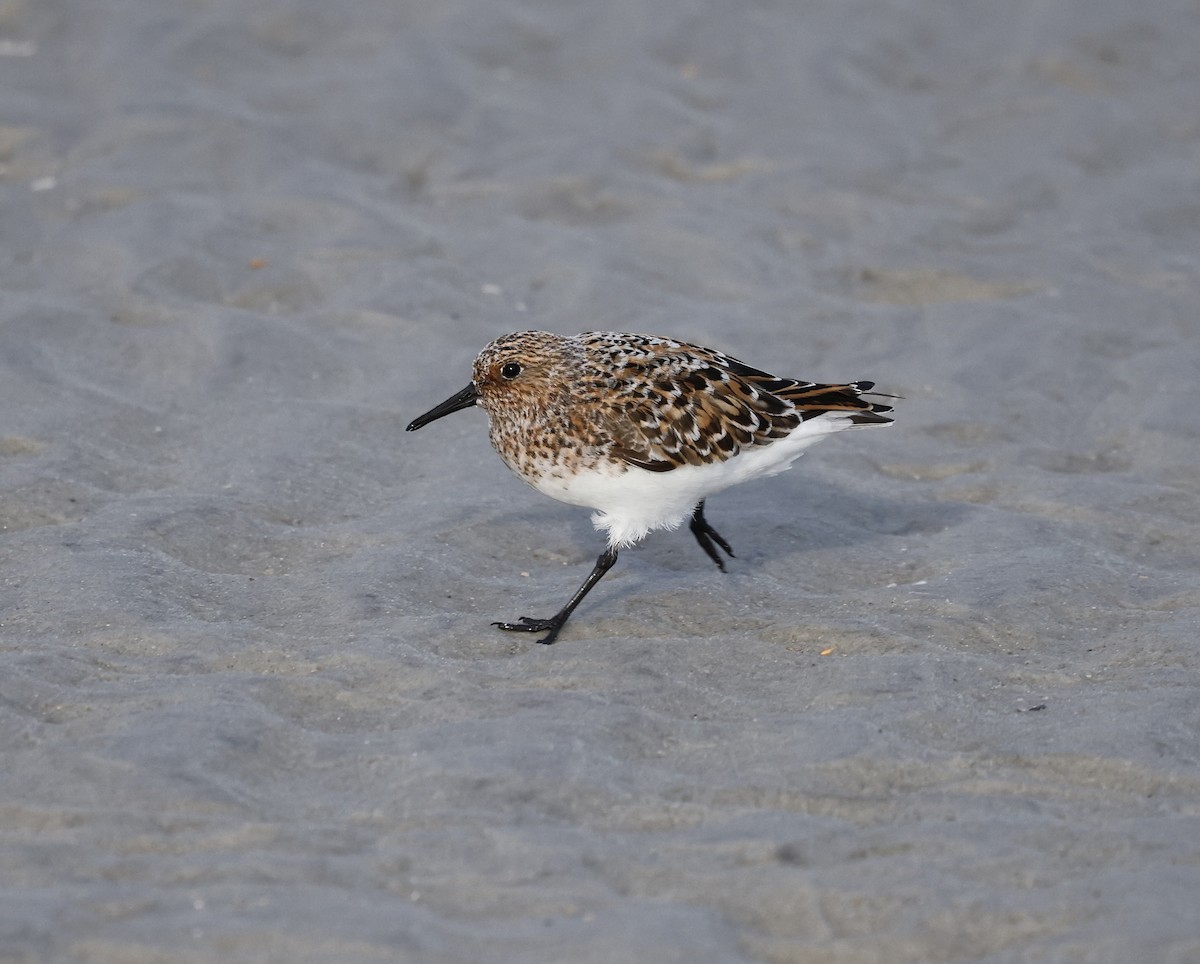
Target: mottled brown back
<point>672,404</point>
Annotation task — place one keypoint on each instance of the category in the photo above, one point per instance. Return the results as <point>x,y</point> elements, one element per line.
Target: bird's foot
<point>528,624</point>
<point>708,537</point>
<point>551,626</point>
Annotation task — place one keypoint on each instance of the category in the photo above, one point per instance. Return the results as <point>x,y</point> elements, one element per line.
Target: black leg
<point>527,624</point>
<point>706,535</point>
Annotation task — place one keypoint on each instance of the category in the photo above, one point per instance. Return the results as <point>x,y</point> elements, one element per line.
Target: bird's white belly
<point>632,501</point>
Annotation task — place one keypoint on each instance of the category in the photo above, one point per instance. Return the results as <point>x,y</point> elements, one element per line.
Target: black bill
<point>464,399</point>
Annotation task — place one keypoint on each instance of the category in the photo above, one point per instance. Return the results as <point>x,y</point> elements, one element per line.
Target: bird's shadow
<point>762,523</point>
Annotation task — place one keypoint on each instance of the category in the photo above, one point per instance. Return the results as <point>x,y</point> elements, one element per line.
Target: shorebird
<point>643,429</point>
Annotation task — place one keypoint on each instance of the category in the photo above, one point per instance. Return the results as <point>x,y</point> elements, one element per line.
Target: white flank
<point>634,502</point>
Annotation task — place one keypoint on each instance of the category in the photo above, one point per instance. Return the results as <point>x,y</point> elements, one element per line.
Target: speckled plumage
<point>642,429</point>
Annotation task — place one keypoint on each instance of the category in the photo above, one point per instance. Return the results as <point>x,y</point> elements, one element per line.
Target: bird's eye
<point>510,370</point>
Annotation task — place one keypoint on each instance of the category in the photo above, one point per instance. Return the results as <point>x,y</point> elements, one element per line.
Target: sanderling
<point>643,429</point>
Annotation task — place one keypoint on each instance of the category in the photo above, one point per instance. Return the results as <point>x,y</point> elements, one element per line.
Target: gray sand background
<point>945,706</point>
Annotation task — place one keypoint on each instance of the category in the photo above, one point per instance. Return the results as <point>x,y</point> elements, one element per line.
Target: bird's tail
<point>813,400</point>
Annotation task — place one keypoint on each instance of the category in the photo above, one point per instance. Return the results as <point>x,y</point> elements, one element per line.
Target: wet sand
<point>944,706</point>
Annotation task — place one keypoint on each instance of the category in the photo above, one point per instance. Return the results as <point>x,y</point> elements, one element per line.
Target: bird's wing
<point>673,404</point>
